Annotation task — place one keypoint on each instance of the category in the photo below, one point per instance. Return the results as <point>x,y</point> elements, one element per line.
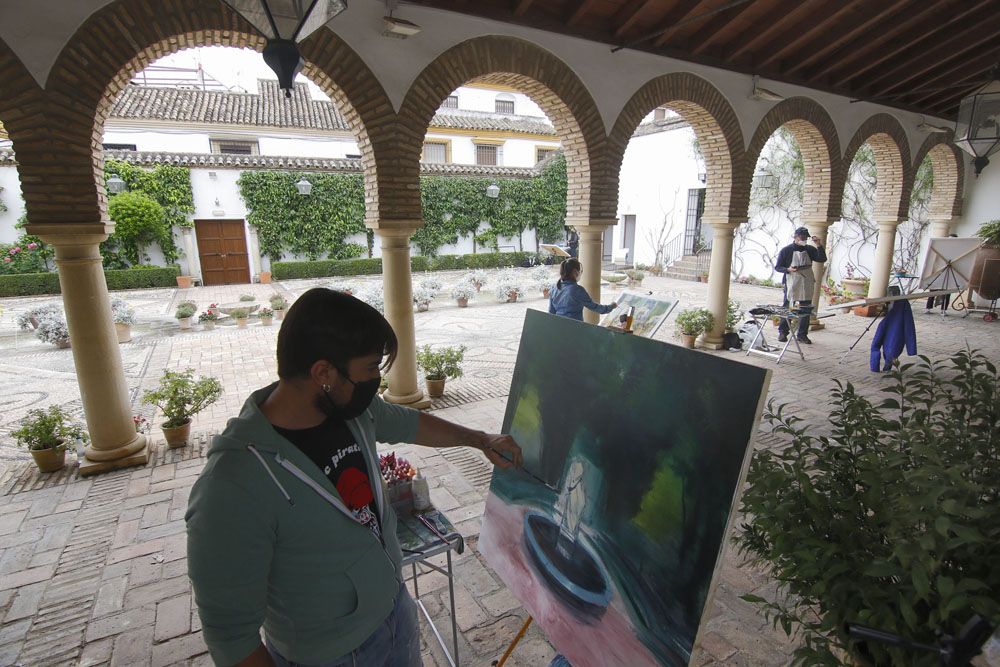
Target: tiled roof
<point>270,108</point>
<point>216,161</point>
<point>657,126</point>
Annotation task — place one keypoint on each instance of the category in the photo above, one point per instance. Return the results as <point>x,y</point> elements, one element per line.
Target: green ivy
<point>454,206</point>
<point>314,226</point>
<point>139,221</point>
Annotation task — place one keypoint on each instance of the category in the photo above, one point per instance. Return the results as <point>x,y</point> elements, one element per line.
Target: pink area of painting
<point>607,643</point>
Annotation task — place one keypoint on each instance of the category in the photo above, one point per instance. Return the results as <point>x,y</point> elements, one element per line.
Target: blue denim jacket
<point>569,299</point>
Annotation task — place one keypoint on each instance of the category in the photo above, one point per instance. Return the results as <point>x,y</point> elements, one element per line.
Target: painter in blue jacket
<point>894,332</point>
<point>568,298</point>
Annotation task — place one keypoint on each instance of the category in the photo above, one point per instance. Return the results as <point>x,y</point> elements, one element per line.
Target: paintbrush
<point>522,469</point>
<point>433,528</point>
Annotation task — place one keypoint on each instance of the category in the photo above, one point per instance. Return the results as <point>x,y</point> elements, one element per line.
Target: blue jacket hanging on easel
<point>895,331</point>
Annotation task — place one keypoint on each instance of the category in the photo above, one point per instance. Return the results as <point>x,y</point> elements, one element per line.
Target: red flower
<point>32,246</point>
<point>7,260</point>
<point>15,250</point>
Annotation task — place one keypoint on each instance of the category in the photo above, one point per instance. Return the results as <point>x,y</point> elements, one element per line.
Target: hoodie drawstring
<point>274,478</point>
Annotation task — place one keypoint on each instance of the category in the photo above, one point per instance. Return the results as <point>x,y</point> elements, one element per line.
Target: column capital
<point>888,223</point>
<point>72,233</point>
<point>723,224</point>
<point>591,225</point>
<point>819,223</point>
<point>395,226</point>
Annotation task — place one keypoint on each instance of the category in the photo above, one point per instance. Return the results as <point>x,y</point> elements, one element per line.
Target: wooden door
<point>222,247</point>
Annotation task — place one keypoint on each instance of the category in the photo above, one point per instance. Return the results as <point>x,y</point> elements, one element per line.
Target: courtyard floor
<point>93,571</point>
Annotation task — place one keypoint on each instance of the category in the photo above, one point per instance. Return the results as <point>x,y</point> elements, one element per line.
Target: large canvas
<point>633,452</point>
<point>650,313</point>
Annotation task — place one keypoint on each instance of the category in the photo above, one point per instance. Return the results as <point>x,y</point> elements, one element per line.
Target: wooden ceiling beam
<point>972,36</point>
<point>676,17</point>
<point>581,10</point>
<point>629,15</point>
<point>866,48</point>
<point>522,7</point>
<point>718,29</point>
<point>779,17</point>
<point>975,71</point>
<point>914,42</point>
<point>794,37</point>
<point>838,30</point>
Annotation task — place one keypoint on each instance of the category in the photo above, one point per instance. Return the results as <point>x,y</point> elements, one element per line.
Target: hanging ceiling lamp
<point>977,128</point>
<point>285,23</point>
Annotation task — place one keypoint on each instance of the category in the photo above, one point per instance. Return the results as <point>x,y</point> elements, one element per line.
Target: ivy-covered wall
<point>316,226</point>
<point>166,185</point>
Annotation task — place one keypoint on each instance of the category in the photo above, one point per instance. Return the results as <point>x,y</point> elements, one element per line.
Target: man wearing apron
<point>795,261</point>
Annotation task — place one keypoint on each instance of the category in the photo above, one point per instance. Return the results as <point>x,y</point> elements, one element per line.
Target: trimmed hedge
<point>27,284</point>
<point>369,266</point>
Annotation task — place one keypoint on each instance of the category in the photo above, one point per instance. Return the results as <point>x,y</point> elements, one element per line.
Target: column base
<point>415,400</point>
<point>706,343</point>
<point>138,458</point>
<point>816,325</point>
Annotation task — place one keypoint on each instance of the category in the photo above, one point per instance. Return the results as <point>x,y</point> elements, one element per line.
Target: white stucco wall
<point>516,152</point>
<point>479,99</point>
<point>11,198</point>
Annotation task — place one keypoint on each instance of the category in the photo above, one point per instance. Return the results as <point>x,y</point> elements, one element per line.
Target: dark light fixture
<point>977,128</point>
<point>304,187</point>
<point>116,185</point>
<point>285,23</point>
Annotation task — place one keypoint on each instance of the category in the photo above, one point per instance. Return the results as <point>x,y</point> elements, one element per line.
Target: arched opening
<point>716,130</point>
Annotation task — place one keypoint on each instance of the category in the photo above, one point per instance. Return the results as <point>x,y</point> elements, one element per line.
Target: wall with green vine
<point>317,226</point>
<point>168,186</point>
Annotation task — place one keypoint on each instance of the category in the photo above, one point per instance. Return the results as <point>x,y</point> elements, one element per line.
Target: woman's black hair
<point>324,324</point>
<point>567,268</point>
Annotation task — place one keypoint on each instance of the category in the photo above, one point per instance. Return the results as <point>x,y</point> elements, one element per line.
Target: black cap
<point>802,231</point>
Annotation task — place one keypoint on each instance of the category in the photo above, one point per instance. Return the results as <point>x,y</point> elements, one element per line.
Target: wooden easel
<point>510,649</point>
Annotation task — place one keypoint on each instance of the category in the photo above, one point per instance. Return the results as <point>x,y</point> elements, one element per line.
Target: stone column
<point>591,251</point>
<point>941,227</point>
<point>819,228</point>
<point>99,371</point>
<point>398,295</point>
<point>883,257</point>
<point>719,278</point>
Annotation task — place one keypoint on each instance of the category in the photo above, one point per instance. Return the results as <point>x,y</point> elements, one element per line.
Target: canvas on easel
<point>948,263</point>
<point>634,450</point>
<point>650,312</point>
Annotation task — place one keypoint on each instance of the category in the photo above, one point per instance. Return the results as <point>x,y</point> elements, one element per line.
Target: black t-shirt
<point>335,451</point>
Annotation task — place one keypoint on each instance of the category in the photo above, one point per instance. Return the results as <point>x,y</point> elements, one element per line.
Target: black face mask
<point>361,398</point>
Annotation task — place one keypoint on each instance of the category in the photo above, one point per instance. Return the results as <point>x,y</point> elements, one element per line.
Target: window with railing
<point>118,147</point>
<point>488,154</point>
<point>504,103</point>
<point>542,153</point>
<point>232,147</point>
<point>435,152</point>
<point>450,102</point>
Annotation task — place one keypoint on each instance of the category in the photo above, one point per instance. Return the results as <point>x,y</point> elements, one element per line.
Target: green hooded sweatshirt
<point>271,543</point>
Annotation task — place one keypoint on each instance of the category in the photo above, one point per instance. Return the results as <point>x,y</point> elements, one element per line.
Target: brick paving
<point>93,571</point>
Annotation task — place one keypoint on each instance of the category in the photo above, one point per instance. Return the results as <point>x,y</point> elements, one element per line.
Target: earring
<point>326,388</point>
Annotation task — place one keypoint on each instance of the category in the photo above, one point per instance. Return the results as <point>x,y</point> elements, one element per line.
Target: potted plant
<point>615,278</point>
<point>30,319</point>
<point>52,328</point>
<point>635,277</point>
<point>264,277</point>
<point>124,317</point>
<point>692,323</point>
<point>374,297</point>
<point>703,277</point>
<point>180,397</point>
<point>185,282</point>
<point>852,284</point>
<point>985,276</point>
<point>508,287</point>
<point>884,517</point>
<point>278,305</point>
<point>431,285</point>
<point>241,315</point>
<point>208,319</point>
<point>46,434</point>
<point>423,296</point>
<point>439,365</point>
<point>478,278</point>
<point>249,298</point>
<point>462,293</point>
<point>185,311</point>
<point>266,316</point>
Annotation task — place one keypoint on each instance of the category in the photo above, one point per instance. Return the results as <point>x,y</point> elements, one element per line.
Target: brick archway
<point>21,113</point>
<point>892,161</point>
<point>715,125</point>
<point>949,175</point>
<point>816,136</point>
<point>547,80</point>
<point>119,41</point>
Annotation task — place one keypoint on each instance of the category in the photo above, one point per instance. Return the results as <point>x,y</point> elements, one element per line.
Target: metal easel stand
<point>457,543</point>
<point>760,319</point>
<point>884,308</point>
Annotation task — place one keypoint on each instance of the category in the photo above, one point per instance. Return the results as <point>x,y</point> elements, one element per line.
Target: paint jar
<point>421,494</point>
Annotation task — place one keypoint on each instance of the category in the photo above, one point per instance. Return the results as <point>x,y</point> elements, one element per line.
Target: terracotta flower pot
<point>435,388</point>
<point>185,322</point>
<point>266,321</point>
<point>545,292</point>
<point>853,285</point>
<point>512,298</point>
<point>241,322</point>
<point>209,325</point>
<point>265,277</point>
<point>688,340</point>
<point>185,282</point>
<point>63,344</point>
<point>279,314</point>
<point>49,460</point>
<point>463,303</point>
<point>423,307</point>
<point>124,332</point>
<point>177,436</point>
